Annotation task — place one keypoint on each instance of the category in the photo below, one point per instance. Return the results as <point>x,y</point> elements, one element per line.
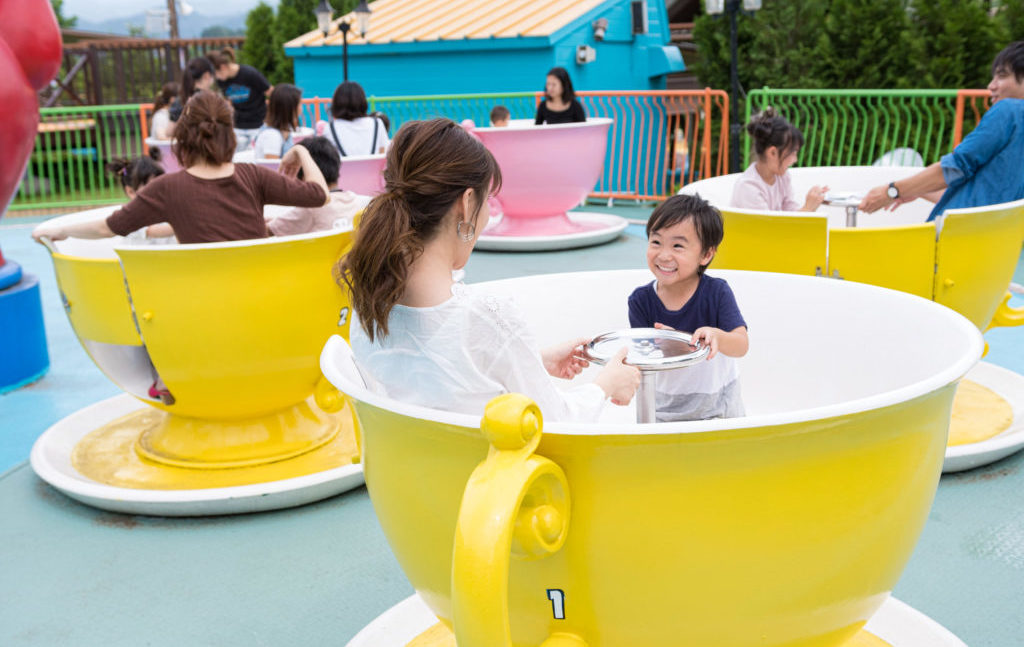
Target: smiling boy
<point>683,235</point>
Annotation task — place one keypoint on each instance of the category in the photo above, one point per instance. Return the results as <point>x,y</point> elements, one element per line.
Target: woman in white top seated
<point>351,130</point>
<point>422,338</point>
<point>274,138</point>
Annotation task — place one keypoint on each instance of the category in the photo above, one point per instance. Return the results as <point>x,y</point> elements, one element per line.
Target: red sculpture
<point>30,55</point>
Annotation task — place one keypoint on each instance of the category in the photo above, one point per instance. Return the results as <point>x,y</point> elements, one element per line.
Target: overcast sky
<point>99,10</point>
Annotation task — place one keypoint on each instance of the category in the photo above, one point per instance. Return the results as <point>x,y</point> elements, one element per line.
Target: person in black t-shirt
<point>246,89</point>
<point>560,105</point>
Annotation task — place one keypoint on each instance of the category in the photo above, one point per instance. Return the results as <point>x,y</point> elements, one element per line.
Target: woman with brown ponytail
<point>211,199</point>
<point>421,337</point>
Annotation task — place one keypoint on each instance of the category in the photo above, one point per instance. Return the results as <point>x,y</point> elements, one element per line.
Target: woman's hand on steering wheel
<point>565,360</point>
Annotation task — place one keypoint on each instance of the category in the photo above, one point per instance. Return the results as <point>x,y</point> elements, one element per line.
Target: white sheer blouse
<point>458,355</point>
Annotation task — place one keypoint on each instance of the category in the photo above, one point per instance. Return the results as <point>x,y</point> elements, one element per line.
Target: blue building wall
<point>623,61</point>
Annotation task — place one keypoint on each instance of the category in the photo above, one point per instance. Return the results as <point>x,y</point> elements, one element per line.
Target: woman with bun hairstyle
<point>246,89</point>
<point>211,199</point>
<point>423,338</point>
<point>274,139</point>
<point>765,185</point>
<point>560,105</point>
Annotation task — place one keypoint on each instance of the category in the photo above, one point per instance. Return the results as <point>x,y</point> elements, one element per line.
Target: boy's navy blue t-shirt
<point>713,304</point>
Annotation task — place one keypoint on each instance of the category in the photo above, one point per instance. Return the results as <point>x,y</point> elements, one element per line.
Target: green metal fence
<point>66,168</point>
<point>841,127</point>
<point>857,127</point>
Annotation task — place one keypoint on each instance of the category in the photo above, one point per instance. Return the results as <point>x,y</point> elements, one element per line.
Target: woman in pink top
<point>765,185</point>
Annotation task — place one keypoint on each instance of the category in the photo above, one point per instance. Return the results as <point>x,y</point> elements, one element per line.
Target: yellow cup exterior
<point>964,261</point>
<point>690,539</point>
<point>787,527</point>
<point>233,329</point>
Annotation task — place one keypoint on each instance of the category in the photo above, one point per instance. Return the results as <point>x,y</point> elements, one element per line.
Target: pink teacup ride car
<point>547,170</point>
<point>361,174</point>
<point>167,158</point>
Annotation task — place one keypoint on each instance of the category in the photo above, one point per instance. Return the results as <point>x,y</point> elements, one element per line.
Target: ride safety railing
<point>72,147</point>
<point>971,106</point>
<point>660,140</point>
<point>858,127</point>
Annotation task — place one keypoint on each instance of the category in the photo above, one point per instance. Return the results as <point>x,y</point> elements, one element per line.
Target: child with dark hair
<point>560,105</point>
<point>133,174</point>
<point>683,235</point>
<point>766,185</point>
<point>338,213</point>
<point>274,138</point>
<point>500,116</point>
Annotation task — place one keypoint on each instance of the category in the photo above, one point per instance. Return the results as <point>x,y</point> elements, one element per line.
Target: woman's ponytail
<point>430,166</point>
<point>384,247</point>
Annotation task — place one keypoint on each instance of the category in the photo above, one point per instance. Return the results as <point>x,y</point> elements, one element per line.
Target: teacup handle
<point>515,502</point>
<point>1007,316</point>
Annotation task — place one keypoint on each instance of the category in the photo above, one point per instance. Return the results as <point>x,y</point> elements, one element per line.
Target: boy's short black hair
<point>325,155</point>
<point>1011,59</point>
<point>499,113</point>
<point>707,220</point>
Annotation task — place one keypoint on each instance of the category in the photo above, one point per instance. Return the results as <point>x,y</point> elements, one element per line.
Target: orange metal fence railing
<point>971,105</point>
<point>661,139</point>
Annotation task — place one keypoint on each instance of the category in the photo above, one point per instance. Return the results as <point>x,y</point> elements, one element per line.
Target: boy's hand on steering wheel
<point>565,360</point>
<point>709,337</point>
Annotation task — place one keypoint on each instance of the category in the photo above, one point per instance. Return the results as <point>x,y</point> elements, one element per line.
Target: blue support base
<point>23,355</point>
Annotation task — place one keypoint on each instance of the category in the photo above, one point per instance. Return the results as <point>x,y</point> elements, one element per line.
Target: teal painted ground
<point>71,575</point>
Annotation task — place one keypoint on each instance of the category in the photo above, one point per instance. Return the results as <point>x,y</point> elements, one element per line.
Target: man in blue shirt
<point>986,167</point>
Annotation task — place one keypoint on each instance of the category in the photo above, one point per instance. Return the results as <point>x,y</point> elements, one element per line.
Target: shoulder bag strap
<point>337,141</point>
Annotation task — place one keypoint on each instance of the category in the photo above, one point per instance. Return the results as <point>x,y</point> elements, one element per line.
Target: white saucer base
<point>609,228</point>
<point>895,622</point>
<point>1009,385</point>
<point>51,460</point>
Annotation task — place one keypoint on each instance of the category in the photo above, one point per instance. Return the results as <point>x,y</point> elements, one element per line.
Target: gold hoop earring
<point>468,234</point>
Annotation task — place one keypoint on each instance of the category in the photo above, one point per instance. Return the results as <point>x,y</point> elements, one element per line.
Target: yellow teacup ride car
<point>788,526</point>
<point>232,331</point>
<point>965,259</point>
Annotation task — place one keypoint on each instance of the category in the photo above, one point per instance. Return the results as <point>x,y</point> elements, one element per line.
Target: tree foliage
<point>1011,14</point>
<point>860,43</point>
<point>258,50</point>
<point>293,18</point>
<point>65,22</point>
<point>866,44</point>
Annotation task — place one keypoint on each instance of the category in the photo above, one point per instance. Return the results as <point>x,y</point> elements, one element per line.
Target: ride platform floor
<point>315,575</point>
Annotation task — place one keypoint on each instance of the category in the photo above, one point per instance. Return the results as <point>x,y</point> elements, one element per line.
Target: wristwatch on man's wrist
<point>893,192</point>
